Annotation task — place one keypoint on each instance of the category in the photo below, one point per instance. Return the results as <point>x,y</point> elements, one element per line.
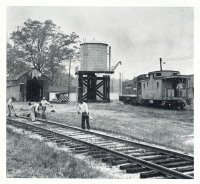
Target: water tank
<point>93,56</point>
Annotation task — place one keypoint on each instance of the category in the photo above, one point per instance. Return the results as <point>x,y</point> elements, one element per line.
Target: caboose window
<point>157,84</point>
<point>158,74</point>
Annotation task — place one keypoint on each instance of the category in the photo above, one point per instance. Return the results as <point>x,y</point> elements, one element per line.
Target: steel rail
<point>161,169</point>
<point>161,150</point>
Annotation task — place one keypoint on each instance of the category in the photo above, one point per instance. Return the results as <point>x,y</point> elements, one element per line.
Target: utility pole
<point>69,81</point>
<point>109,58</point>
<point>160,64</point>
<point>119,83</point>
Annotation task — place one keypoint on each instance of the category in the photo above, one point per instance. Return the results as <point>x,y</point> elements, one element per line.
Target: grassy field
<point>170,128</point>
<point>29,158</point>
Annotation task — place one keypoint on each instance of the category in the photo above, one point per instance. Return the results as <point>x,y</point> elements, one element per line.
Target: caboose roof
<point>175,76</point>
<point>163,71</point>
<point>168,77</point>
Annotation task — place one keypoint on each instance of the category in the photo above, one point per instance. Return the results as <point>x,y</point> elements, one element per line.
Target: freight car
<point>164,88</point>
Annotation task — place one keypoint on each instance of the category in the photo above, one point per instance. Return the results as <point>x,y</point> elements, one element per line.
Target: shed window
<point>157,84</point>
<point>158,74</point>
<point>144,85</point>
<point>147,84</point>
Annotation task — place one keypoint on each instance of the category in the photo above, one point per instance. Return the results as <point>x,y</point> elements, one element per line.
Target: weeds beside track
<point>131,156</point>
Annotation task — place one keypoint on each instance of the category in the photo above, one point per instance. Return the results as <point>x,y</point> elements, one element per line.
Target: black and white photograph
<point>100,92</point>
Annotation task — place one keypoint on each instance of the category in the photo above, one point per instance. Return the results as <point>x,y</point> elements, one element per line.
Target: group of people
<point>35,108</point>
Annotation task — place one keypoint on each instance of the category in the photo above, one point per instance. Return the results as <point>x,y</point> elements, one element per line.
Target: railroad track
<point>130,156</point>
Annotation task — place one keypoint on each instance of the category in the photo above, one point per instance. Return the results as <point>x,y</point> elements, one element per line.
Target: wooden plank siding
<point>152,89</point>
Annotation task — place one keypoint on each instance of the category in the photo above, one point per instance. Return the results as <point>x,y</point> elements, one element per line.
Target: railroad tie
<point>99,156</point>
<point>125,149</point>
<point>156,157</point>
<point>150,174</point>
<point>137,169</point>
<point>110,158</point>
<point>53,138</point>
<point>156,173</point>
<point>185,169</point>
<point>71,145</point>
<point>81,148</point>
<point>82,151</point>
<point>177,164</point>
<point>119,162</point>
<point>74,146</point>
<point>127,166</point>
<point>60,140</point>
<point>145,154</point>
<point>94,152</point>
<point>168,160</point>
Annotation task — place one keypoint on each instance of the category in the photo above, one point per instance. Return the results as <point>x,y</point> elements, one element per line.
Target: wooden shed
<point>29,85</point>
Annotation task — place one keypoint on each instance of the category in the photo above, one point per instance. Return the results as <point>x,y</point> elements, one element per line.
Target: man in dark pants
<point>83,109</point>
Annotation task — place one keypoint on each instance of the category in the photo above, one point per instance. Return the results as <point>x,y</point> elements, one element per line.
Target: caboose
<point>166,88</point>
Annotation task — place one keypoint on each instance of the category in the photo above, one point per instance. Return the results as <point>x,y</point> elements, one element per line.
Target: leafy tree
<point>14,64</point>
<point>43,46</point>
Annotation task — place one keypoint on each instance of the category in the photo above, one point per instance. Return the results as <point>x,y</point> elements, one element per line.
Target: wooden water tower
<point>93,84</point>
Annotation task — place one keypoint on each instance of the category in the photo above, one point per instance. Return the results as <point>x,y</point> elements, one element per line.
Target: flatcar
<point>166,88</point>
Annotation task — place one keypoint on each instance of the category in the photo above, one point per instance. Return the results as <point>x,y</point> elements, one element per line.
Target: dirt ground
<point>169,128</point>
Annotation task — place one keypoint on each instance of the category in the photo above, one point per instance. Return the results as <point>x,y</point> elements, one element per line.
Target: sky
<point>138,36</point>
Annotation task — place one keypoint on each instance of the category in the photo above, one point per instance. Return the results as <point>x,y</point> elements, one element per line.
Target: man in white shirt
<point>179,88</point>
<point>44,107</point>
<point>83,109</point>
<point>10,106</point>
<point>34,108</point>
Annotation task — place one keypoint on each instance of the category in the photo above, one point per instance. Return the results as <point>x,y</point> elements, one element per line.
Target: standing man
<point>44,107</point>
<point>179,89</point>
<point>34,108</point>
<point>83,109</point>
<point>10,106</point>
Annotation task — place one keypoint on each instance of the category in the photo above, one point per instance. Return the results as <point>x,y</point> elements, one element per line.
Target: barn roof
<point>18,76</point>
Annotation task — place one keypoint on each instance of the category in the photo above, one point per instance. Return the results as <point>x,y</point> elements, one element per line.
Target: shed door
<point>34,90</point>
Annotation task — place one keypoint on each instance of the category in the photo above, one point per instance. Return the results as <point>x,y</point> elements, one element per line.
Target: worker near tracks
<point>34,108</point>
<point>83,109</point>
<point>10,106</point>
<point>44,103</point>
